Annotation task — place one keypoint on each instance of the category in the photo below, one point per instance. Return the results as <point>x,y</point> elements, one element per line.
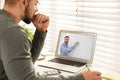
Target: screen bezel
<point>73,58</point>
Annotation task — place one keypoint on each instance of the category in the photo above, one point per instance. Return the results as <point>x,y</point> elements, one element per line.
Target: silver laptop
<point>74,50</point>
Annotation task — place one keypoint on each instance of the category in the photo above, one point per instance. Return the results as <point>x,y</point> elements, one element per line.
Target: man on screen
<point>65,48</point>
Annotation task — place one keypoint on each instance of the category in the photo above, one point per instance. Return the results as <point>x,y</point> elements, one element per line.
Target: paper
<point>107,76</point>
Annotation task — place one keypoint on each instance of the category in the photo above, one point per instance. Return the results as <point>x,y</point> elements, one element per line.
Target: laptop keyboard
<point>67,62</point>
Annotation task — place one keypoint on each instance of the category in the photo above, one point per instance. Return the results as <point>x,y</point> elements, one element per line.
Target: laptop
<point>74,50</point>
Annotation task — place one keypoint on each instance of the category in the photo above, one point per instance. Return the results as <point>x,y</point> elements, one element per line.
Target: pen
<point>106,78</point>
<point>87,67</point>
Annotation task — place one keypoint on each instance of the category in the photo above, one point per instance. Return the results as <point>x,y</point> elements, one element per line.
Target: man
<point>65,48</point>
<point>17,52</point>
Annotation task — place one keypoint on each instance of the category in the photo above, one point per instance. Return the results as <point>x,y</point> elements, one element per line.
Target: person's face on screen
<point>66,40</point>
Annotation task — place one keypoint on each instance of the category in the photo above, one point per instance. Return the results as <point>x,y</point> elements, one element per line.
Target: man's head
<point>30,11</point>
<point>66,39</point>
<point>25,9</point>
<point>11,2</point>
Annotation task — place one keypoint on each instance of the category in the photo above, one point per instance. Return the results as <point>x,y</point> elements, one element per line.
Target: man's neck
<point>13,13</point>
<point>66,43</point>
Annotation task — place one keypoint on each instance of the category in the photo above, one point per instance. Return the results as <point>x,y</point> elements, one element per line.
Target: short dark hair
<point>66,37</point>
<point>12,2</point>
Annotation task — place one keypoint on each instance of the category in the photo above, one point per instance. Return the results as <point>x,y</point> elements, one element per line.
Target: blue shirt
<point>65,49</point>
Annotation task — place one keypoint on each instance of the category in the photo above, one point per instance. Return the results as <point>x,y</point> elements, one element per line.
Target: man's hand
<point>41,22</point>
<point>92,75</point>
<point>76,43</point>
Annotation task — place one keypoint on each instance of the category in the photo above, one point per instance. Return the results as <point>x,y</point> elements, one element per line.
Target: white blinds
<point>62,15</point>
<point>1,4</point>
<point>99,16</point>
<point>103,18</point>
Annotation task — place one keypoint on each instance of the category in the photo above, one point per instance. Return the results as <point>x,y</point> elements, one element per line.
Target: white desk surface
<point>107,73</point>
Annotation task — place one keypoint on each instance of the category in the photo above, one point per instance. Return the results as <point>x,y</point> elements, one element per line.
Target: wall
<point>1,4</point>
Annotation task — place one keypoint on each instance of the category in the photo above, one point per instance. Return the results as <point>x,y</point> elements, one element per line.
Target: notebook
<point>74,50</point>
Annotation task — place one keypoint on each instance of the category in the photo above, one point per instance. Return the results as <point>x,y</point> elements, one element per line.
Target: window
<point>99,16</point>
<point>1,4</point>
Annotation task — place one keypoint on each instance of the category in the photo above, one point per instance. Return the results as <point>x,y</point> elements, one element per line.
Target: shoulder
<point>15,31</point>
<point>63,44</point>
<point>15,35</point>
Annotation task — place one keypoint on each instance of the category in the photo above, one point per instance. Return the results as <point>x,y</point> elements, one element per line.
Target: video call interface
<point>76,45</point>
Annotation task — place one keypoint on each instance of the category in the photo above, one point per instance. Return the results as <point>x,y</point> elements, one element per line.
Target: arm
<point>71,48</point>
<point>17,60</point>
<point>41,23</point>
<point>37,44</point>
<point>64,50</point>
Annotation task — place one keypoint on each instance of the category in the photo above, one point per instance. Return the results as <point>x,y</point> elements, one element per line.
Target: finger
<point>42,19</point>
<point>97,73</point>
<point>46,19</point>
<point>37,17</point>
<point>99,78</point>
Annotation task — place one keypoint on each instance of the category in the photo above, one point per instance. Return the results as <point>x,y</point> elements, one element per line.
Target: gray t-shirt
<point>18,53</point>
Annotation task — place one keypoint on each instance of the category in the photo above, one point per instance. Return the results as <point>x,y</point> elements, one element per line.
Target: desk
<point>106,73</point>
<point>41,69</point>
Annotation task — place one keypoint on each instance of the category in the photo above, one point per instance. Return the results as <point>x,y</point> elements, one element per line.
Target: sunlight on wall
<point>1,4</point>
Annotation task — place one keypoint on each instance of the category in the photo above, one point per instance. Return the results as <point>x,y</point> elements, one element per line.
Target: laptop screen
<point>76,45</point>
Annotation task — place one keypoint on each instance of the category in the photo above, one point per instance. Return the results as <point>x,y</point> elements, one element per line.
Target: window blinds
<point>1,4</point>
<point>63,15</point>
<point>99,16</point>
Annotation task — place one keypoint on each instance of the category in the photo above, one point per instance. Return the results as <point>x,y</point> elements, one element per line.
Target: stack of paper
<point>107,76</point>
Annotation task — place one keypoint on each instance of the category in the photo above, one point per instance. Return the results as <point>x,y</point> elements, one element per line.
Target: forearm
<point>61,77</point>
<point>37,44</point>
<point>22,69</point>
<point>70,48</point>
